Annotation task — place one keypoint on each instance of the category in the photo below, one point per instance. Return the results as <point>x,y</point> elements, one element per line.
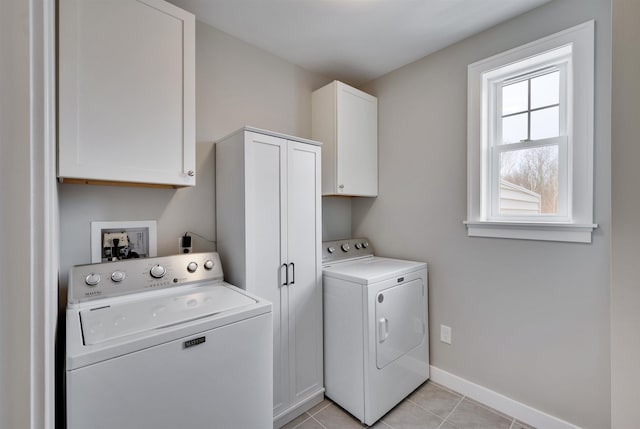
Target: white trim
<point>51,247</point>
<point>498,401</point>
<point>44,214</point>
<point>579,205</point>
<point>545,231</point>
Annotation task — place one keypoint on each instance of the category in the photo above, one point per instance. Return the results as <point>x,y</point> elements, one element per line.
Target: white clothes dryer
<point>376,341</point>
<point>165,343</point>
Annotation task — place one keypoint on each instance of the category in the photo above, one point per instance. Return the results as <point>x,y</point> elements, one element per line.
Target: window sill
<point>545,231</point>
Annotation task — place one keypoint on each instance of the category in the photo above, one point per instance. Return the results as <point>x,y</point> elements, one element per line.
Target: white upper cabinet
<point>126,92</point>
<point>345,120</point>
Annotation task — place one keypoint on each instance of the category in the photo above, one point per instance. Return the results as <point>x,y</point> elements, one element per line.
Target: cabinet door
<point>266,252</point>
<point>126,92</point>
<point>304,292</point>
<point>357,142</point>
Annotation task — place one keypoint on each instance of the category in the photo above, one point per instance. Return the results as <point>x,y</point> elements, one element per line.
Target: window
<point>530,140</point>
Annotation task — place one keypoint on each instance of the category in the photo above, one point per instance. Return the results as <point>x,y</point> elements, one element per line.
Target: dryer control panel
<point>107,279</point>
<point>340,250</point>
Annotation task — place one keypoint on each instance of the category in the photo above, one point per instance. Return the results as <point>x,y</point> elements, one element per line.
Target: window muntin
<point>528,166</point>
<point>531,107</point>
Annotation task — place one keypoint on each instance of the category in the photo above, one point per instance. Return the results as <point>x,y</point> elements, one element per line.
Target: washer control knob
<point>158,271</point>
<point>345,247</point>
<point>117,276</point>
<point>331,249</point>
<point>92,279</point>
<point>208,264</point>
<point>365,244</point>
<point>358,246</point>
<point>192,267</point>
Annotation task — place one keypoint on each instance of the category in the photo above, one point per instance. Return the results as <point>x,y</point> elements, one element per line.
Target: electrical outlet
<point>184,245</point>
<point>445,334</point>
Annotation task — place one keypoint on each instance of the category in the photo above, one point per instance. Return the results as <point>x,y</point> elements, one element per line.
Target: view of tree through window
<point>530,113</point>
<point>534,169</point>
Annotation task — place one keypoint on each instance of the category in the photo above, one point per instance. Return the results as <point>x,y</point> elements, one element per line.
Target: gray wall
<point>15,207</point>
<point>530,319</point>
<point>336,218</point>
<point>625,293</point>
<point>236,84</point>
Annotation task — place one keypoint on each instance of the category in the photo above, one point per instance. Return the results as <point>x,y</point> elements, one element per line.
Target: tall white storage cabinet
<point>268,223</point>
<point>345,120</point>
<point>126,92</point>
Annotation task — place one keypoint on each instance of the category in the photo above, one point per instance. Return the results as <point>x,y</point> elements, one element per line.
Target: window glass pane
<point>545,90</point>
<point>545,123</point>
<point>514,128</point>
<point>515,98</point>
<point>529,181</point>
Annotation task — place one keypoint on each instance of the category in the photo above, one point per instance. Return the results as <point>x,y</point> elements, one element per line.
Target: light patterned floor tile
<point>471,415</point>
<point>310,423</point>
<point>435,399</point>
<point>297,421</point>
<point>410,416</point>
<point>325,403</point>
<point>334,417</point>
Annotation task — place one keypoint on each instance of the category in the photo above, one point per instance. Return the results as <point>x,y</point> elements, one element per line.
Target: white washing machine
<point>376,340</point>
<point>166,343</point>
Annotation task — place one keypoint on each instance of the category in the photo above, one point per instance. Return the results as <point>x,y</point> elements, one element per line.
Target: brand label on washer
<point>194,342</point>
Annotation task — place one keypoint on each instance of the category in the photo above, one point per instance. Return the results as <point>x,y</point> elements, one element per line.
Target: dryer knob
<point>158,271</point>
<point>208,264</point>
<point>365,244</point>
<point>358,246</point>
<point>192,267</point>
<point>345,247</point>
<point>331,249</point>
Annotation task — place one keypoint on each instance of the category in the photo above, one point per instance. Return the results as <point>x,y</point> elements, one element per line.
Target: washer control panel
<point>107,279</point>
<point>339,250</point>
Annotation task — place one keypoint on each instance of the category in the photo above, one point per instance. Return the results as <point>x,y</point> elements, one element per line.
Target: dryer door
<point>400,323</point>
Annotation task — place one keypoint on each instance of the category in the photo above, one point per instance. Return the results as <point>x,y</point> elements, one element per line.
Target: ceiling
<point>354,40</point>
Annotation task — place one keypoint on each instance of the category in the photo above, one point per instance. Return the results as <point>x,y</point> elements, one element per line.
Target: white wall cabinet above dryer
<point>126,92</point>
<point>345,120</point>
<point>268,229</point>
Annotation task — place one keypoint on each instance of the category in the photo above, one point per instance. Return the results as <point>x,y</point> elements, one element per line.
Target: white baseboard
<point>497,401</point>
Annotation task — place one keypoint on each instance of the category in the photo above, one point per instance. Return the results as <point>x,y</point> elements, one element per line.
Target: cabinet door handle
<point>293,273</point>
<point>286,275</point>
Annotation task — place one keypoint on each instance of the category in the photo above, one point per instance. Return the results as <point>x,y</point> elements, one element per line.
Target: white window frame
<point>572,52</point>
<point>555,60</point>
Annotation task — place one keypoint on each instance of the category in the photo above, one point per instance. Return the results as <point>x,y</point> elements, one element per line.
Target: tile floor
<point>431,406</point>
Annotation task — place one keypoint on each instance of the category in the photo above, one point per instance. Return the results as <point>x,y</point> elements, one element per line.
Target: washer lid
<point>371,270</point>
<point>100,324</point>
